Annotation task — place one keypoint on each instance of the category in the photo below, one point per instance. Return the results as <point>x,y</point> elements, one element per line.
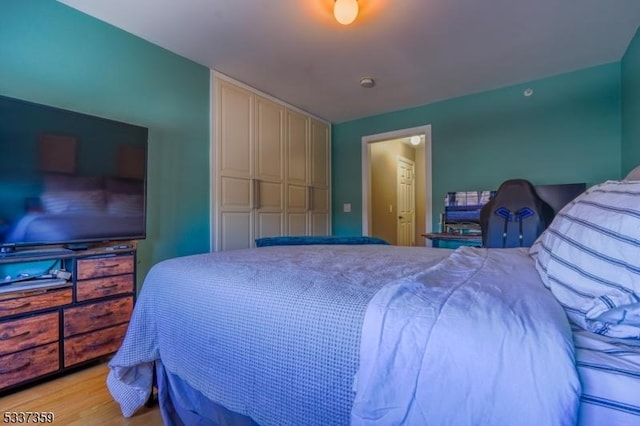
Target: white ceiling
<point>418,51</point>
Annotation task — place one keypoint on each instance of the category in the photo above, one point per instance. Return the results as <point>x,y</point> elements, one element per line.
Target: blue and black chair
<point>515,216</point>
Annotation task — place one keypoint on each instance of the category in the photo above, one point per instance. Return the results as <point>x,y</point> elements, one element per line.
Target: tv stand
<point>32,253</point>
<point>49,327</point>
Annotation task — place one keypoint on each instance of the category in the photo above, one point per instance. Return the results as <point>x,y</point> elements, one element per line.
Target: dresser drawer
<point>102,287</point>
<point>24,365</point>
<point>93,345</point>
<point>91,317</point>
<point>45,300</point>
<point>104,266</point>
<point>26,333</point>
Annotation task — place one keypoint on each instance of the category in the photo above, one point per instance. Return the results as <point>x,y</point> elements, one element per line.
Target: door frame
<point>366,172</point>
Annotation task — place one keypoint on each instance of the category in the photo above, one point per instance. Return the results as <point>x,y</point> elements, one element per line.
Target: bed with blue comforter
<point>350,334</point>
<point>325,333</point>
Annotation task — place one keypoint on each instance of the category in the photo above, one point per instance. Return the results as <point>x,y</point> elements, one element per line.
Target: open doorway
<point>396,194</point>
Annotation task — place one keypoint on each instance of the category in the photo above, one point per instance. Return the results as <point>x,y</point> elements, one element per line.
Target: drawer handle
<point>106,314</point>
<point>107,287</point>
<point>13,370</point>
<point>9,308</point>
<point>26,333</point>
<point>114,265</point>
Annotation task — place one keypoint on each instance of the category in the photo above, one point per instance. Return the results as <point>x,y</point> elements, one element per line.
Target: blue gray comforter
<point>276,333</point>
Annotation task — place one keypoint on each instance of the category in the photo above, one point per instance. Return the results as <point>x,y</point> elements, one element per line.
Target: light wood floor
<point>78,399</point>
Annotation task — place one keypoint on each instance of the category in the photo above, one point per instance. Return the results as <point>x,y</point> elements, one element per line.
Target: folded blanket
<point>307,240</point>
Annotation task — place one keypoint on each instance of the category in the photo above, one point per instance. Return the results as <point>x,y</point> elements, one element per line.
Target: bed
<point>372,334</point>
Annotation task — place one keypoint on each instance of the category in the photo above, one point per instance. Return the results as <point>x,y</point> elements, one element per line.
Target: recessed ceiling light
<point>528,92</point>
<point>367,82</point>
<point>415,140</point>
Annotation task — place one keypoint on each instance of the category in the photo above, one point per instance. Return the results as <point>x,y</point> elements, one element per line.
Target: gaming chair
<point>515,216</point>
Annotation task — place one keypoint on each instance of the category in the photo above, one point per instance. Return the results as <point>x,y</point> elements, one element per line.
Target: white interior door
<point>406,202</point>
<point>424,212</point>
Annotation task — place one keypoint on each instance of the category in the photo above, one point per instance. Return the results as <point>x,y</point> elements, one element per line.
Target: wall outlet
<point>346,207</point>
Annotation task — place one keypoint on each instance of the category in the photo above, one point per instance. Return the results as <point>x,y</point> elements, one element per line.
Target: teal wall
<point>576,126</point>
<point>568,131</point>
<point>55,55</point>
<point>631,106</point>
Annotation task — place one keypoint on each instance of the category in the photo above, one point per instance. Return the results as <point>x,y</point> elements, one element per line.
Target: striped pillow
<point>589,257</point>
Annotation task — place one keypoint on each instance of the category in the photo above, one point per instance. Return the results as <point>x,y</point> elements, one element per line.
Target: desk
<point>466,239</point>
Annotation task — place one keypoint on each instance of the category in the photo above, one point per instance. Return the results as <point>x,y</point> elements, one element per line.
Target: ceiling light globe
<point>345,11</point>
<point>415,140</point>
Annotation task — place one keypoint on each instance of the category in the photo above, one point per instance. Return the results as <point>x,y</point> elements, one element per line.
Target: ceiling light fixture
<point>345,11</point>
<point>415,140</point>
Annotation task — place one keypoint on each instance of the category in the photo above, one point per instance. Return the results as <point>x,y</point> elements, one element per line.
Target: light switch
<point>390,208</point>
<point>346,207</point>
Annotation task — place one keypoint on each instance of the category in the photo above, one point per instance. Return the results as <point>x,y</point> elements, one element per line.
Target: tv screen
<point>68,178</point>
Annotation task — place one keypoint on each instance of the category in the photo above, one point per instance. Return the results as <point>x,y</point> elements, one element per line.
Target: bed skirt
<point>180,404</point>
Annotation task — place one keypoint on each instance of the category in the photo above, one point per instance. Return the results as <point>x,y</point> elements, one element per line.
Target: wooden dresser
<point>51,328</point>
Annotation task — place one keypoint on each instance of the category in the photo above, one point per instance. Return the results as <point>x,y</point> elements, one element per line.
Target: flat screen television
<point>68,178</point>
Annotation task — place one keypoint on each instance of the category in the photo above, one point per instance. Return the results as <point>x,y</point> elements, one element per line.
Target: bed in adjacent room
<point>375,335</point>
<point>78,208</point>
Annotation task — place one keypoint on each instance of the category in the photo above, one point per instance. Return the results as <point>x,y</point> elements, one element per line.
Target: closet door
<point>271,169</point>
<point>319,178</point>
<point>234,118</point>
<point>297,154</point>
<point>268,182</point>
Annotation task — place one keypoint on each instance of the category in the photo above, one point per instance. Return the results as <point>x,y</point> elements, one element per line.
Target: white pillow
<point>589,257</point>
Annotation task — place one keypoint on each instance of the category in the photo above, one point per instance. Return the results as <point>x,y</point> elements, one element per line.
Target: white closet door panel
<point>297,223</point>
<point>269,140</point>
<point>320,199</point>
<point>319,161</point>
<point>236,230</point>
<point>296,147</point>
<point>235,193</point>
<point>235,119</point>
<point>296,198</point>
<point>269,196</point>
<point>319,223</point>
<point>268,224</point>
